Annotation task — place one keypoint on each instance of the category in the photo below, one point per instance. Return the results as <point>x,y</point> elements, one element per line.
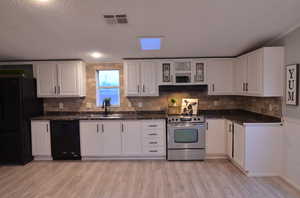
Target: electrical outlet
<point>140,104</point>
<point>88,105</point>
<point>270,107</point>
<point>60,105</point>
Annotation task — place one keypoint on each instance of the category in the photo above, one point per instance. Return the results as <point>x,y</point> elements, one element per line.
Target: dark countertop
<point>99,116</point>
<point>238,116</point>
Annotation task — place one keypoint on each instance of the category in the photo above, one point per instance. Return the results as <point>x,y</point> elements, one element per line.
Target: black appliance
<point>65,140</point>
<point>18,103</point>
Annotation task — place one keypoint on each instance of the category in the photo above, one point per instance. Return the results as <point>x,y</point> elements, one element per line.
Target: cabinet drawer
<point>153,134</point>
<point>155,151</point>
<point>155,124</point>
<point>153,142</point>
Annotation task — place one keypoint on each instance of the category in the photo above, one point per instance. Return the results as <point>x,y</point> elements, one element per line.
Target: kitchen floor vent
<point>116,19</point>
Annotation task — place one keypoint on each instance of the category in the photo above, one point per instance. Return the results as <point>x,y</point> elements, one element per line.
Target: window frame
<point>98,87</point>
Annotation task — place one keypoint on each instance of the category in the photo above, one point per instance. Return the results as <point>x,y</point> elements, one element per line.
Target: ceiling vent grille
<point>115,19</point>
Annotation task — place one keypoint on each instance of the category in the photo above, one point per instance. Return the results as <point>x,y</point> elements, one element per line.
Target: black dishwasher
<point>65,140</point>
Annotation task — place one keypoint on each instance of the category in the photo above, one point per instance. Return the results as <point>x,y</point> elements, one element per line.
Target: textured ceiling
<point>61,29</point>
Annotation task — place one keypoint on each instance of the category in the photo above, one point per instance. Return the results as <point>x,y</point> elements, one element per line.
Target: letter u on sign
<point>292,76</point>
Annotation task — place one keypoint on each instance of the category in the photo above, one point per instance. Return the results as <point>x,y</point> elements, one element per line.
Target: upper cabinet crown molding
<point>60,79</point>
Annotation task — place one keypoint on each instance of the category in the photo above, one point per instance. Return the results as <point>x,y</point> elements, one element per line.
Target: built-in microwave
<point>182,78</point>
<point>183,71</point>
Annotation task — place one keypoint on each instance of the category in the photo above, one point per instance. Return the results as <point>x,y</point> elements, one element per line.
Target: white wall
<point>291,158</point>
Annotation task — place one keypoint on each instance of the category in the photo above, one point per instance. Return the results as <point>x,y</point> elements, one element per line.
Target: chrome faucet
<point>105,105</point>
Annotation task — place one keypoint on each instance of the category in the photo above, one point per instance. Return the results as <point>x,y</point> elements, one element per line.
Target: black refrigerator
<point>18,103</point>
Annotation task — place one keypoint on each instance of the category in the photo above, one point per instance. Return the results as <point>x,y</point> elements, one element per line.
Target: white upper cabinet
<point>166,73</point>
<point>60,79</point>
<point>149,79</point>
<point>46,74</point>
<point>220,76</point>
<point>141,78</point>
<point>132,78</point>
<point>198,72</point>
<point>259,73</point>
<point>240,75</point>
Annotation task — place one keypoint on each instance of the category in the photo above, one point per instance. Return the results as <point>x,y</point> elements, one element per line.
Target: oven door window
<point>186,135</point>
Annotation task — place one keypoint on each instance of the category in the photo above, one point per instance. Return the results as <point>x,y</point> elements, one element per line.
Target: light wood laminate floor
<point>137,179</point>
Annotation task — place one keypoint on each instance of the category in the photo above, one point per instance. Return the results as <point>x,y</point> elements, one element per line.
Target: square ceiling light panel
<point>150,43</point>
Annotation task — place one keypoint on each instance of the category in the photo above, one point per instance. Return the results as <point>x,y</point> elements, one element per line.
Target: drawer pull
<point>152,125</point>
<point>152,133</point>
<point>153,151</point>
<point>152,142</point>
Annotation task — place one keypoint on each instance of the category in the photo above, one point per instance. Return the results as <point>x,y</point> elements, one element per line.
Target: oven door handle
<point>187,126</point>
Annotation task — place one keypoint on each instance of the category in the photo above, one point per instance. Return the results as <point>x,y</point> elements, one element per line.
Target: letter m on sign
<point>292,76</point>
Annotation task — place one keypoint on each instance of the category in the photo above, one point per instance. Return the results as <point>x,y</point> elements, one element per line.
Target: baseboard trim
<point>216,156</point>
<point>42,158</point>
<point>124,158</point>
<point>290,182</point>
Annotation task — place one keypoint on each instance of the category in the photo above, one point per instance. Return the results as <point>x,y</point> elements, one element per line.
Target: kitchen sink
<point>102,116</point>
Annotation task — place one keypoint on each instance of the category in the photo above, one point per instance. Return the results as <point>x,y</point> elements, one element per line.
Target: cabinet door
<point>131,137</point>
<point>239,145</point>
<point>199,72</point>
<point>254,73</point>
<point>148,78</point>
<point>132,78</point>
<point>240,75</point>
<point>220,77</point>
<point>216,137</point>
<point>46,75</point>
<point>229,131</point>
<point>166,73</point>
<point>68,82</point>
<point>90,138</point>
<point>40,134</point>
<point>111,138</point>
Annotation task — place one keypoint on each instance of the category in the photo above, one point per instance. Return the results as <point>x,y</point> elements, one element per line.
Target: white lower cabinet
<point>41,141</point>
<point>229,133</point>
<point>239,145</point>
<point>131,138</point>
<point>215,137</point>
<point>124,138</point>
<point>258,148</point>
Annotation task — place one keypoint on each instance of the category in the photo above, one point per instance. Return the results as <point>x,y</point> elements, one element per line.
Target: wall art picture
<point>292,78</point>
<point>189,106</point>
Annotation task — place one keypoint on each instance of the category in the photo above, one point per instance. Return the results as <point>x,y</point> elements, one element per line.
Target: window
<point>108,86</point>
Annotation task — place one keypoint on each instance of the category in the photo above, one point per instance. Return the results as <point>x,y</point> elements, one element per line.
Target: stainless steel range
<point>186,138</point>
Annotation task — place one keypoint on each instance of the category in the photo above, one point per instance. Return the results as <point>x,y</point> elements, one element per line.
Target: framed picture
<point>292,81</point>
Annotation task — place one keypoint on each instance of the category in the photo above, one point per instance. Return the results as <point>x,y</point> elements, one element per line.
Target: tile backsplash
<point>267,106</point>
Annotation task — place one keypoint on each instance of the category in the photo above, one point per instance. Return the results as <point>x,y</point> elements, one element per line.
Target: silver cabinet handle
<point>206,126</point>
<point>47,128</point>
<point>213,87</point>
<point>152,142</point>
<point>97,128</point>
<point>122,128</point>
<point>143,88</point>
<point>138,88</point>
<point>152,133</point>
<point>54,89</point>
<point>247,87</point>
<point>153,151</point>
<point>102,127</point>
<point>152,125</point>
<point>58,89</point>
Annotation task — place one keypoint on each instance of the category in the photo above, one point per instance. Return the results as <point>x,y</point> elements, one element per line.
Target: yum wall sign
<point>292,76</point>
